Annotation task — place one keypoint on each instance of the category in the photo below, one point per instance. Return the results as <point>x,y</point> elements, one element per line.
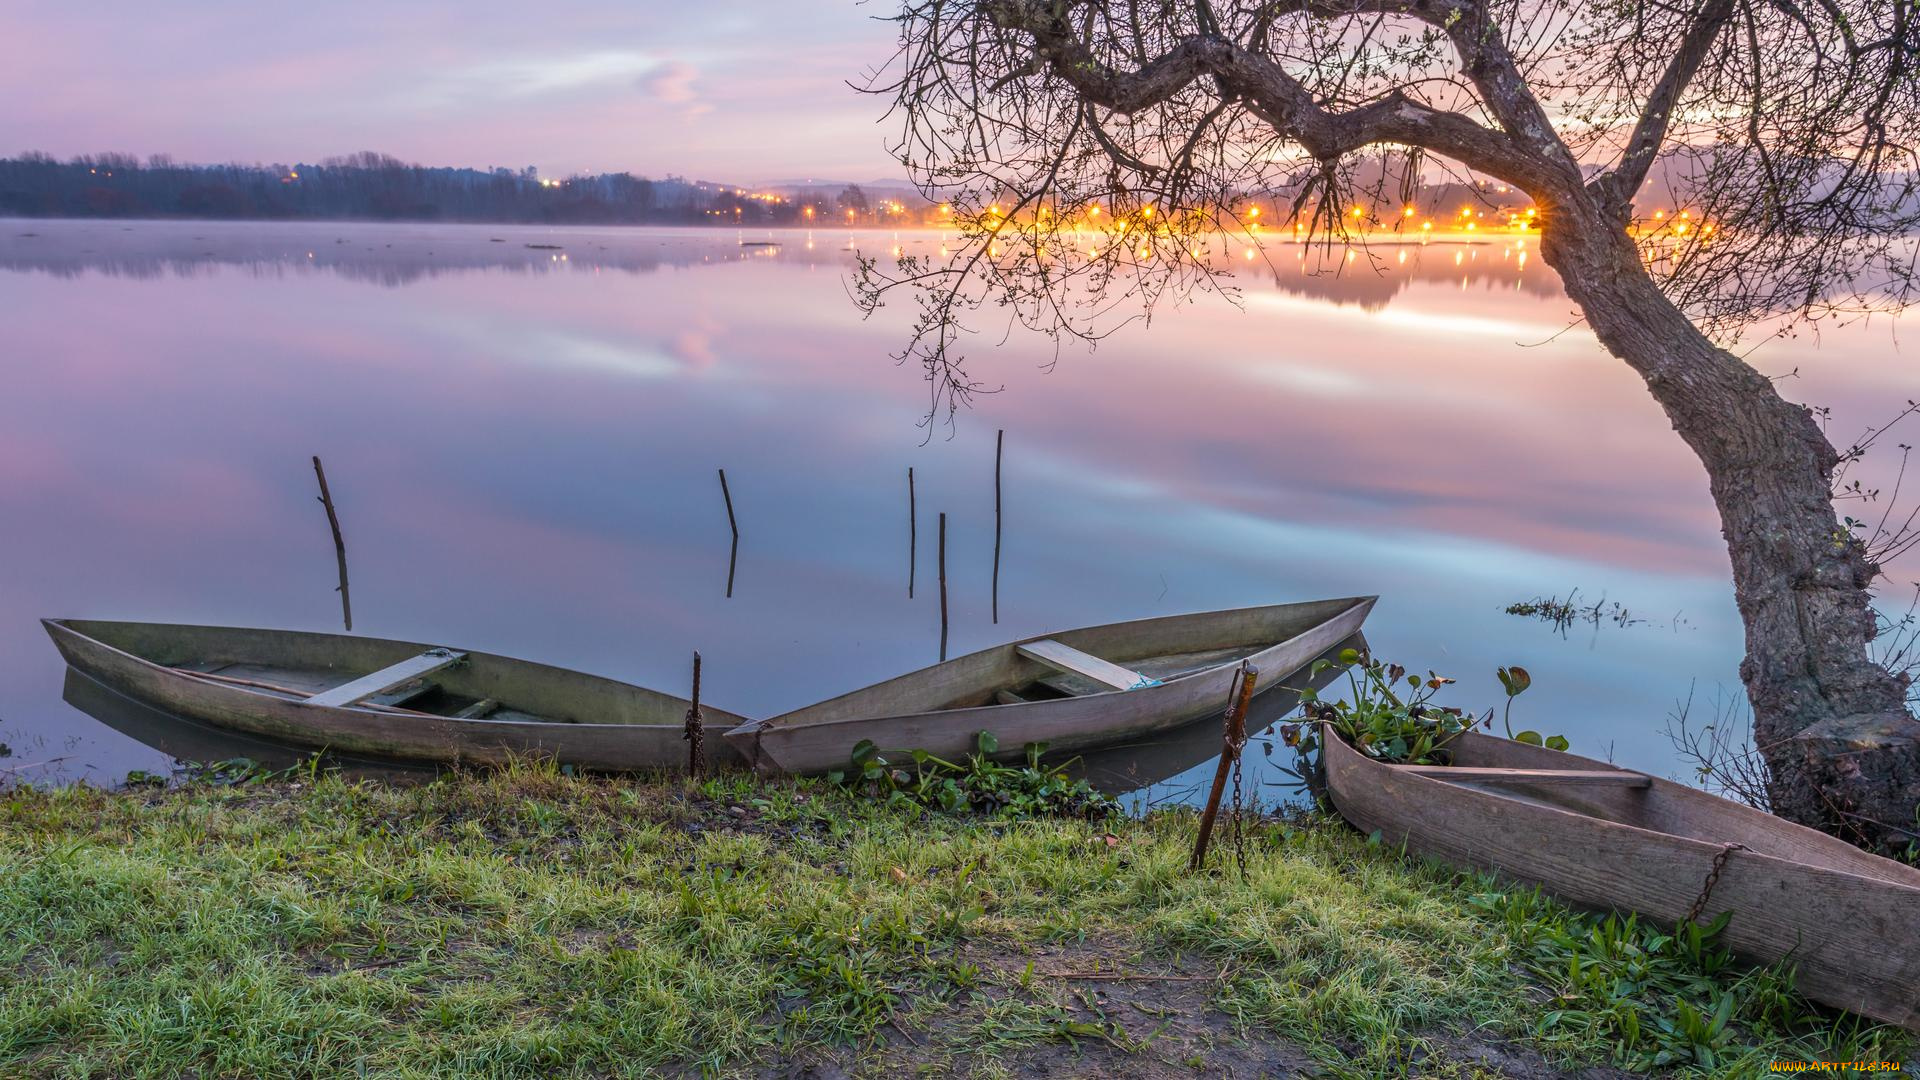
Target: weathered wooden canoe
<point>1605,838</point>
<point>1074,690</point>
<point>387,699</point>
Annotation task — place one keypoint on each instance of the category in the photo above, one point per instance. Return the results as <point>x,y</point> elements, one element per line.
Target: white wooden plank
<point>1467,775</point>
<point>1067,658</point>
<point>386,678</point>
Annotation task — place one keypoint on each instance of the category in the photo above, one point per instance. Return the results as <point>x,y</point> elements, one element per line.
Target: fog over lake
<point>521,427</point>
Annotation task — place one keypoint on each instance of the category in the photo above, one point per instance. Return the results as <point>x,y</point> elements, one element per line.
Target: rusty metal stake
<point>696,728</point>
<point>1239,699</point>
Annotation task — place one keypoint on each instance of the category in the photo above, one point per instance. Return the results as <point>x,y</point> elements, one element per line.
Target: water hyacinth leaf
<point>988,742</point>
<point>1557,742</point>
<point>864,752</point>
<point>1349,656</point>
<point>1531,738</point>
<point>1514,680</point>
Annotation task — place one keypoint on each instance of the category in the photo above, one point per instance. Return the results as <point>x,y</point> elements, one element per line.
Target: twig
<point>1119,977</point>
<point>913,534</point>
<point>23,767</point>
<point>339,543</point>
<point>370,965</point>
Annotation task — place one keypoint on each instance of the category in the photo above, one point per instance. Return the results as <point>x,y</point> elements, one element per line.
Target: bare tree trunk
<point>1843,750</point>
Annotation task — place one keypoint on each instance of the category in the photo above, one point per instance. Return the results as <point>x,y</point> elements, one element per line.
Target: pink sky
<point>735,91</point>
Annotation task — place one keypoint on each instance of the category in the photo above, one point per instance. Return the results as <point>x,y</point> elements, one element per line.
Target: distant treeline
<point>375,186</point>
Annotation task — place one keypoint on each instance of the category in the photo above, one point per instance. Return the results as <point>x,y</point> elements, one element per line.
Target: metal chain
<point>1713,878</point>
<point>1239,812</point>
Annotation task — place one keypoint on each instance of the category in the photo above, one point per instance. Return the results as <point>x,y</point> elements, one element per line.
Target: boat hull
<point>1843,917</point>
<point>911,712</point>
<point>574,700</point>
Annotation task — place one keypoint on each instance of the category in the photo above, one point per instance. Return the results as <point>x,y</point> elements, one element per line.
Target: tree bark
<point>1842,748</point>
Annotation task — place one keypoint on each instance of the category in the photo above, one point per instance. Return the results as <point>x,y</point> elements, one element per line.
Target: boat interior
<point>1550,778</point>
<point>1079,663</point>
<point>388,676</point>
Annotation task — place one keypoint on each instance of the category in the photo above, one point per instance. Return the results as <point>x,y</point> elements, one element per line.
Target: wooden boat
<point>1074,691</point>
<point>387,699</point>
<point>1605,838</point>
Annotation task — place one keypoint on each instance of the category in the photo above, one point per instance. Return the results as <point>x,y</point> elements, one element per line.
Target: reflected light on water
<point>522,441</point>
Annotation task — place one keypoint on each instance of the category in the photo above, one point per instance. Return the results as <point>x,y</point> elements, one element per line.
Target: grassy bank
<point>533,924</point>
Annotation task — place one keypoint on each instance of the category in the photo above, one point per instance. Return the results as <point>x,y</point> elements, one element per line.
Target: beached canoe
<point>1605,838</point>
<point>388,699</point>
<point>1074,691</point>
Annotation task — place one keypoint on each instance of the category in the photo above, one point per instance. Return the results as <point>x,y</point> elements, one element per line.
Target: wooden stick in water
<point>733,554</point>
<point>728,495</point>
<point>943,587</point>
<point>339,544</point>
<point>1238,701</point>
<point>999,445</point>
<point>913,534</point>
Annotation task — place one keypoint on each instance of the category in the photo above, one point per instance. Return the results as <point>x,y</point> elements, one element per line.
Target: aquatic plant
<point>977,785</point>
<point>1389,715</point>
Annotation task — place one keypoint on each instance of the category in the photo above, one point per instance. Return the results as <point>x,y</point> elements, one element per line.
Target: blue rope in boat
<point>1145,681</point>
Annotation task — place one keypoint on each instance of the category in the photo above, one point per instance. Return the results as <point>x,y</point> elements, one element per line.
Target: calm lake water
<point>522,442</point>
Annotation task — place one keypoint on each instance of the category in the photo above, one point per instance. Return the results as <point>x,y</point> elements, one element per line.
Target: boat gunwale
<point>754,728</point>
<point>181,675</point>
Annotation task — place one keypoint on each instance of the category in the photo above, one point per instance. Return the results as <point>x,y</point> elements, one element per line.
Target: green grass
<point>532,924</point>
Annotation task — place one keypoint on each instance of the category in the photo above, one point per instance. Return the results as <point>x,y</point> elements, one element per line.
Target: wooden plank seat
<point>387,678</point>
<point>1071,660</point>
<point>1468,775</point>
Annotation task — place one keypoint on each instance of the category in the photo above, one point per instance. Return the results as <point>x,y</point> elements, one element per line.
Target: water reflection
<point>527,445</point>
<point>394,255</point>
<point>184,741</point>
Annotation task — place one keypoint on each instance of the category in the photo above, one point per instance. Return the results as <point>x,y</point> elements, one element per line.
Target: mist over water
<point>522,426</point>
